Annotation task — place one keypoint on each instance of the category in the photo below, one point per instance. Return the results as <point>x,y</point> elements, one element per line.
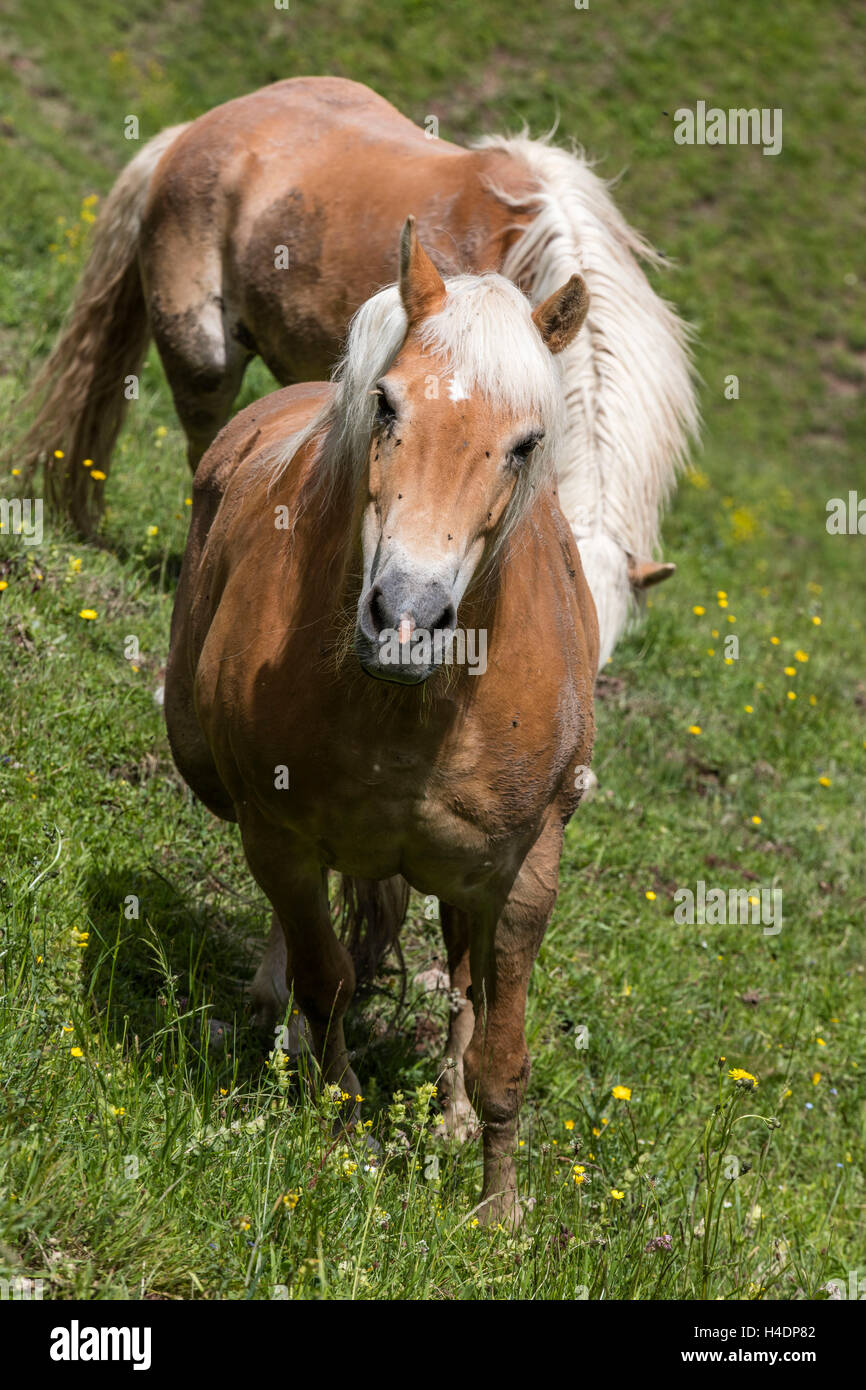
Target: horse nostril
<point>375,608</point>
<point>447,619</point>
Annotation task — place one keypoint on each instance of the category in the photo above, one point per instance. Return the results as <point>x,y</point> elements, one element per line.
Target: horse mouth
<point>392,672</point>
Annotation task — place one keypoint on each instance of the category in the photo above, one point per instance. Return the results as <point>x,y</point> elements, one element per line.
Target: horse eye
<point>520,453</point>
<point>386,412</point>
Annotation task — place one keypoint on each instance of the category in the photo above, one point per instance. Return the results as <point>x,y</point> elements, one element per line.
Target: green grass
<point>156,1163</point>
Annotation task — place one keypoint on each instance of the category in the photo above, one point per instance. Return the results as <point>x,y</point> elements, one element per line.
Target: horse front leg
<point>319,974</point>
<point>496,1062</point>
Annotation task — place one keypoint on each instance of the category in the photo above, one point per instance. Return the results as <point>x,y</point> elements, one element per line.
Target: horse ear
<point>643,574</point>
<point>422,288</point>
<point>560,316</point>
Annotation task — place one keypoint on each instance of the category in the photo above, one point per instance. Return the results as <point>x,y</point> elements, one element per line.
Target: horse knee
<point>496,1081</point>
<point>323,987</point>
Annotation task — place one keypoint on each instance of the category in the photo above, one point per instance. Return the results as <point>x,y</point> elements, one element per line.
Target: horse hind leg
<point>460,1118</point>
<point>269,998</point>
<point>205,350</point>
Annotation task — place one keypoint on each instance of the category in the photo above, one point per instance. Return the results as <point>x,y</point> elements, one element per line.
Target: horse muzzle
<point>404,627</point>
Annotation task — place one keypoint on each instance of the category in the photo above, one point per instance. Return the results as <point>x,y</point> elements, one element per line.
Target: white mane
<point>630,399</point>
<point>490,345</point>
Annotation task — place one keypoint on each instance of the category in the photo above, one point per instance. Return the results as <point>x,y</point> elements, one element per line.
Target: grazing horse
<point>260,228</point>
<point>311,694</point>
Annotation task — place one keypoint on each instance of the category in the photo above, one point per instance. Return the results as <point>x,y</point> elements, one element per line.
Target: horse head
<point>467,419</point>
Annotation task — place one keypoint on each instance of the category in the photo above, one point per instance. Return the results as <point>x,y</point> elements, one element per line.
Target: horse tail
<point>372,914</point>
<point>80,391</point>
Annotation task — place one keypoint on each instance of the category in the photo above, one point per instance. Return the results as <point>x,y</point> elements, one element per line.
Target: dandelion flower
<point>824,781</point>
<point>738,1074</point>
<point>153,530</point>
<point>749,709</point>
<point>790,670</point>
<point>792,695</point>
<point>775,641</point>
<point>816,1077</point>
<point>569,1124</point>
<point>650,895</point>
<point>699,610</point>
<point>76,1052</point>
<point>694,728</point>
<point>817,621</point>
<point>756,820</point>
<point>58,453</point>
<point>801,656</point>
<point>621,1093</point>
<point>98,475</point>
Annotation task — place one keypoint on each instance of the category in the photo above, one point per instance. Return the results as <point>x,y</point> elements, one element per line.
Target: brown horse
<point>336,532</point>
<point>263,225</point>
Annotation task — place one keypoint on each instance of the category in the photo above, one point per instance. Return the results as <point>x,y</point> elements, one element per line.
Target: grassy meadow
<point>148,1148</point>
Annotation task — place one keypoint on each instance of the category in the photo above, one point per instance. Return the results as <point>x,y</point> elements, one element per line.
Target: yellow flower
<point>650,895</point>
<point>153,530</point>
<point>775,641</point>
<point>291,1199</point>
<point>16,472</point>
<point>66,1028</point>
<point>820,1042</point>
<point>569,1124</point>
<point>816,1077</point>
<point>790,670</point>
<point>596,1132</point>
<point>749,709</point>
<point>813,699</point>
<point>801,656</point>
<point>817,621</point>
<point>87,463</point>
<point>76,1052</point>
<point>58,453</point>
<point>756,820</point>
<point>711,651</point>
<point>738,1074</point>
<point>98,475</point>
<point>824,781</point>
<point>616,1194</point>
<point>721,594</point>
<point>4,584</point>
<point>187,501</point>
<point>245,1224</point>
<point>578,1178</point>
<point>578,1168</point>
<point>699,610</point>
<point>791,695</point>
<point>621,1093</point>
<point>694,728</point>
<point>88,614</point>
<point>161,432</point>
<point>118,1110</point>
